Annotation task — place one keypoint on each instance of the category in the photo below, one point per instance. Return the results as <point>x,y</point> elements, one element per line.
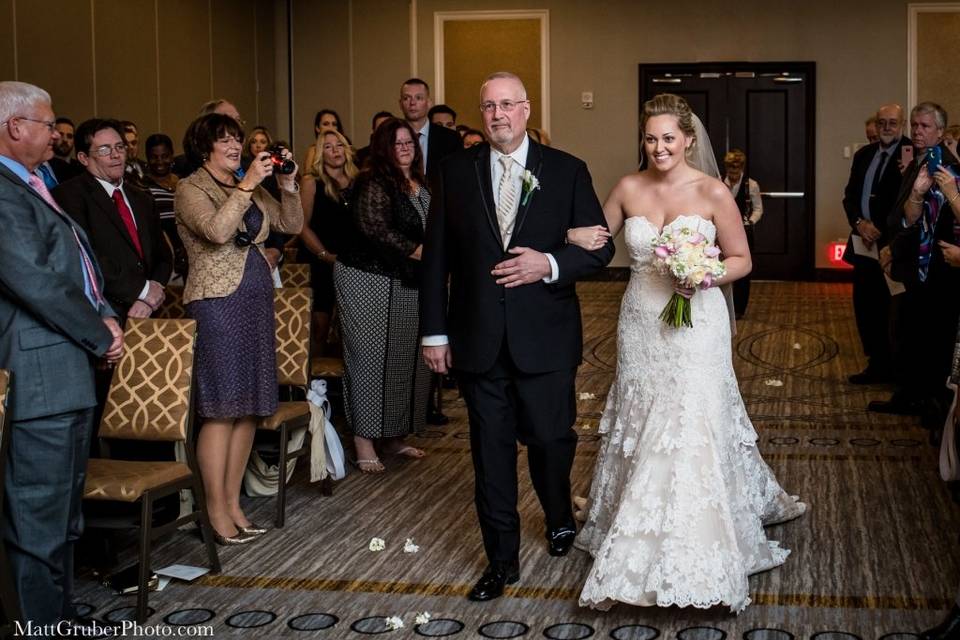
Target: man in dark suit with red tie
<point>54,324</point>
<point>120,221</point>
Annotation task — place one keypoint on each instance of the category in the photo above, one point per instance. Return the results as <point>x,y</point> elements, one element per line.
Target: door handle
<point>667,81</point>
<point>782,194</point>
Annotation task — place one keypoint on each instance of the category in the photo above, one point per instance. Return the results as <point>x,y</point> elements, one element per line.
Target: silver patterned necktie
<point>507,205</point>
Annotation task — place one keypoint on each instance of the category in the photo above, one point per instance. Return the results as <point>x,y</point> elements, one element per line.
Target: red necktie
<point>128,222</point>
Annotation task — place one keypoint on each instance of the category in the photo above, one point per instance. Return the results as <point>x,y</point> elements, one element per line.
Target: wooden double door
<point>766,110</point>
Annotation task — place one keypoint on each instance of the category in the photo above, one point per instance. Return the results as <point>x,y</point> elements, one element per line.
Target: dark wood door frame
<point>693,69</point>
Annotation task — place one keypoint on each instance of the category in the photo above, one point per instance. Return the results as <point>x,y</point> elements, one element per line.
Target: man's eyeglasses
<point>106,150</point>
<point>505,105</point>
<point>49,124</point>
<point>883,124</point>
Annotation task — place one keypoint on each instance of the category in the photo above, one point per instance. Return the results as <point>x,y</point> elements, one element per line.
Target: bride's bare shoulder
<point>711,188</point>
<point>631,183</point>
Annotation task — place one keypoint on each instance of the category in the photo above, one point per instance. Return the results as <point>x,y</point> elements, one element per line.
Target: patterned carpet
<point>874,558</point>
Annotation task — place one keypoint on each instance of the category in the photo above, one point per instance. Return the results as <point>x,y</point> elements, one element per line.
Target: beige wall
<point>151,61</point>
<point>596,46</point>
<point>937,33</point>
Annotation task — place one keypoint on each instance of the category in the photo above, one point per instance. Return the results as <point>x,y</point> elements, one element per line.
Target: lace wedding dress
<point>680,493</point>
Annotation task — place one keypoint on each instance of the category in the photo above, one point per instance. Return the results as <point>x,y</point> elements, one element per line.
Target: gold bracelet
<point>915,201</point>
<point>956,195</point>
<point>239,188</point>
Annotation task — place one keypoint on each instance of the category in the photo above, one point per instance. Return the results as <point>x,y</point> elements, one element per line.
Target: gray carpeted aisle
<point>873,558</point>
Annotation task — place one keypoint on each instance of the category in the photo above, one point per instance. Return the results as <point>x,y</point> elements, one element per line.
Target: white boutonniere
<point>530,184</point>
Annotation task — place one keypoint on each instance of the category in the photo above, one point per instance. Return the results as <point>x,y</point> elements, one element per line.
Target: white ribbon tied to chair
<point>326,451</point>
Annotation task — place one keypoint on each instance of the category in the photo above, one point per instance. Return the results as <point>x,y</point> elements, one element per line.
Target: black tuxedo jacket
<point>882,199</point>
<point>441,142</point>
<point>124,272</point>
<point>905,242</point>
<point>64,170</point>
<point>539,323</point>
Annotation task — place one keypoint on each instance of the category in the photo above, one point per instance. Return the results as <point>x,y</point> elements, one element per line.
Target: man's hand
<point>951,253</point>
<point>140,309</point>
<point>155,294</point>
<point>438,359</point>
<point>115,351</point>
<point>528,267</point>
<point>273,257</point>
<point>868,231</point>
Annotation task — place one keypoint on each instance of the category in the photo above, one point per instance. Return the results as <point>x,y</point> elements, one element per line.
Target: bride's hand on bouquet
<point>588,238</point>
<point>686,292</point>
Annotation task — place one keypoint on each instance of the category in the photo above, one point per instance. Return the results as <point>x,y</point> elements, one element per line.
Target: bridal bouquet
<point>693,262</point>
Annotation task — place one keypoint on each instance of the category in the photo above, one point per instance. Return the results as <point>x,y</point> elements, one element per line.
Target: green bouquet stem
<point>677,312</point>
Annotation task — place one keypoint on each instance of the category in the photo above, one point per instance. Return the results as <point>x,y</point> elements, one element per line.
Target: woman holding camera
<point>223,222</point>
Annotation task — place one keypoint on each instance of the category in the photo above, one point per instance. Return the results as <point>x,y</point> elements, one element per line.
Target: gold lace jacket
<point>208,217</point>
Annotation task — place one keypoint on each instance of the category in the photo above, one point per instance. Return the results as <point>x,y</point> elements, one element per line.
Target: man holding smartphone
<point>867,201</point>
<point>923,239</point>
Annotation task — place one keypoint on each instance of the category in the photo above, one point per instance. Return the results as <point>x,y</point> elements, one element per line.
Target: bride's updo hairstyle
<point>668,104</point>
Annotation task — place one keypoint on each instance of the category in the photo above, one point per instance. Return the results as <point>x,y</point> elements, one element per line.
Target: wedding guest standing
<point>746,193</point>
<point>385,383</point>
<point>325,192</point>
<point>224,221</point>
<point>325,119</point>
<point>161,182</point>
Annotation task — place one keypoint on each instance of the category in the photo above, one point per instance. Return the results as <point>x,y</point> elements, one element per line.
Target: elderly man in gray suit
<point>54,324</point>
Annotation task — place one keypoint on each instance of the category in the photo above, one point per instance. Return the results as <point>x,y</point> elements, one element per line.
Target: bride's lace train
<point>680,493</point>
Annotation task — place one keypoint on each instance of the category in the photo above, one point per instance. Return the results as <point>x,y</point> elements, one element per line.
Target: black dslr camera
<point>280,164</point>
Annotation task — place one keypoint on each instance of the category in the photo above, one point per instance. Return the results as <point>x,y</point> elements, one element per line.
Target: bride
<point>680,494</point>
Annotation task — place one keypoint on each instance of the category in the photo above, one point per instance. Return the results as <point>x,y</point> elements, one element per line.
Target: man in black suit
<point>868,200</point>
<point>925,257</point>
<point>436,141</point>
<point>512,329</point>
<point>64,165</point>
<point>119,219</point>
<point>54,322</point>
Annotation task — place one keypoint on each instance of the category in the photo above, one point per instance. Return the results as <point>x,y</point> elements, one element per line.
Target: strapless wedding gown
<point>680,493</point>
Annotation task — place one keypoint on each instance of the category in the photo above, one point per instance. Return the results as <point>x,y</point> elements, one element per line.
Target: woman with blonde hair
<point>680,492</point>
<point>325,193</point>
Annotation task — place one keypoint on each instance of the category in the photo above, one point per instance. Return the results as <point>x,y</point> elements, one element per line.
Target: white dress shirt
<point>423,139</point>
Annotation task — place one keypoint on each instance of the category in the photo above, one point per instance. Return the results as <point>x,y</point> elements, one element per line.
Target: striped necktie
<point>90,274</point>
<point>507,205</point>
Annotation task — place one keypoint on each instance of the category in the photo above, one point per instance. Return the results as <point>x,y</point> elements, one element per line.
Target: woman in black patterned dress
<point>386,383</point>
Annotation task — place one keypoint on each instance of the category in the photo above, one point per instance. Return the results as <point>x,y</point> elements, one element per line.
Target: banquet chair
<point>292,310</point>
<point>150,399</point>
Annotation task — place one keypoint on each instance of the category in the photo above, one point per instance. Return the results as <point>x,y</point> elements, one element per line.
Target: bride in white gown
<point>680,494</point>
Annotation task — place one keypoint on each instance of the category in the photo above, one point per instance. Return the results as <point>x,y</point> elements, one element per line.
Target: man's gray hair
<point>19,99</point>
<point>939,113</point>
<point>211,106</point>
<point>503,75</point>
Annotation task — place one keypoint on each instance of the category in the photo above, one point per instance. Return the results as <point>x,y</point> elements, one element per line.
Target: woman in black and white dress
<point>386,383</point>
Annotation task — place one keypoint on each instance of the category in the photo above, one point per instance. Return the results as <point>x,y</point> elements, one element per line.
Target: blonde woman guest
<point>325,192</point>
<point>324,120</point>
<point>223,221</point>
<point>258,141</point>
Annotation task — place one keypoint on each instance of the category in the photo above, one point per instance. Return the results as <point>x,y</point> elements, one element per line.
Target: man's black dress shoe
<point>949,629</point>
<point>894,407</point>
<point>491,584</point>
<point>436,418</point>
<point>560,540</point>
